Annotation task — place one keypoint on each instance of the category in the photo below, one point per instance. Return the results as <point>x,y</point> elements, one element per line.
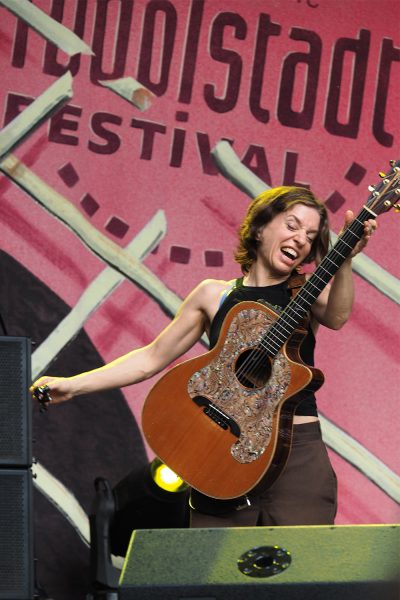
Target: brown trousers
<point>304,494</point>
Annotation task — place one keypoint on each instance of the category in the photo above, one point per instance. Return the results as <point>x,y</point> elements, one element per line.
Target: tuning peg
<point>392,163</point>
<point>382,175</point>
<point>396,208</point>
<point>371,188</point>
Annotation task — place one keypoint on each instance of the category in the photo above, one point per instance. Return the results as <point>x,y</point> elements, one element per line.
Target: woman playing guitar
<point>284,228</point>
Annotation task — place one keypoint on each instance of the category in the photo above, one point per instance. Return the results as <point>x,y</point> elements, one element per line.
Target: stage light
<point>165,478</point>
<point>149,497</point>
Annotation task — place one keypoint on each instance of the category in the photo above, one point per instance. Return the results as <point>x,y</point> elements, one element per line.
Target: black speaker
<point>15,405</point>
<point>279,563</point>
<point>16,512</point>
<point>16,535</point>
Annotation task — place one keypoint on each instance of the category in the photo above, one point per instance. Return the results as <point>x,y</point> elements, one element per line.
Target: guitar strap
<point>295,282</point>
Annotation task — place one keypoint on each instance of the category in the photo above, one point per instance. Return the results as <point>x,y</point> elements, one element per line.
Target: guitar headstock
<point>386,194</point>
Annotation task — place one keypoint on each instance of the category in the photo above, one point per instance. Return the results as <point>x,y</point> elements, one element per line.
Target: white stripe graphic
<point>49,28</point>
<point>35,114</point>
<point>95,294</point>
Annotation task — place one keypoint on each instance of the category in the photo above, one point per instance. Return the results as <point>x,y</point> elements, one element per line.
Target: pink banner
<point>306,91</point>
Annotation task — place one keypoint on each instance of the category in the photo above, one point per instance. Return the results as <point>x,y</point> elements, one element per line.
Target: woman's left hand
<point>369,227</point>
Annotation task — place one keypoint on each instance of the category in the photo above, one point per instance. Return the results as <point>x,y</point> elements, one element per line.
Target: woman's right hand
<point>59,388</point>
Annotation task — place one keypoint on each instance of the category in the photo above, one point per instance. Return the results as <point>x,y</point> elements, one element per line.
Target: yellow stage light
<point>165,478</point>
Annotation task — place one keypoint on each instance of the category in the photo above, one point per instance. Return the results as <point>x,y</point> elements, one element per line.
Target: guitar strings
<point>254,364</point>
<point>256,358</point>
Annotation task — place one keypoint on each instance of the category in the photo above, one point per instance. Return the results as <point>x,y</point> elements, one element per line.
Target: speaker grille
<point>15,410</point>
<point>16,551</point>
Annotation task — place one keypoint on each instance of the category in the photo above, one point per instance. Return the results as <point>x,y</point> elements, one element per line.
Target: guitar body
<point>223,420</point>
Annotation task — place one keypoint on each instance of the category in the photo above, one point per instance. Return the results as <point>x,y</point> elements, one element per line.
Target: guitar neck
<point>299,306</point>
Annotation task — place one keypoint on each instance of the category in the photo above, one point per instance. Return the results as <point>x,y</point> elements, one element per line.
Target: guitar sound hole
<point>253,368</point>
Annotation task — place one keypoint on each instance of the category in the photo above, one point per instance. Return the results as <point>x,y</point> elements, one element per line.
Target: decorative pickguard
<point>251,408</point>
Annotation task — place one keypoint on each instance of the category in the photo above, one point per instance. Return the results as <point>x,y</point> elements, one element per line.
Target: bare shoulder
<point>213,288</point>
<point>207,295</point>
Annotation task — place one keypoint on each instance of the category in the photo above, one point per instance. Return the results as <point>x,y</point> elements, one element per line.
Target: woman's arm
<point>333,306</point>
<point>181,334</point>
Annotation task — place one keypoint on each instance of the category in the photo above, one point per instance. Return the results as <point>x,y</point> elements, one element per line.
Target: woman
<point>285,228</point>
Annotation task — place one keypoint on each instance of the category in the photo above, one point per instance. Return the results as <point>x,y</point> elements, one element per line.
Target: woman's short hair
<point>264,208</point>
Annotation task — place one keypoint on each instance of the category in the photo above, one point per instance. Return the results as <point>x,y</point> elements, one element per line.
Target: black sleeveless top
<point>278,296</point>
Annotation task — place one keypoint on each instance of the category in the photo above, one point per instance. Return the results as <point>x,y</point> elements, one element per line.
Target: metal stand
<point>39,592</point>
<point>104,575</point>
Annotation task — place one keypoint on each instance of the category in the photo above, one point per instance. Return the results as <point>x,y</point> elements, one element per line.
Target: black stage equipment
<point>16,513</point>
<point>152,496</point>
<point>279,563</point>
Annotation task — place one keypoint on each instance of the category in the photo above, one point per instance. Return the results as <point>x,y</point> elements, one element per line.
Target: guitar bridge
<point>217,415</point>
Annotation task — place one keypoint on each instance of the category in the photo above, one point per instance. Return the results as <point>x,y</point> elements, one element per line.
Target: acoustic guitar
<point>223,420</point>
